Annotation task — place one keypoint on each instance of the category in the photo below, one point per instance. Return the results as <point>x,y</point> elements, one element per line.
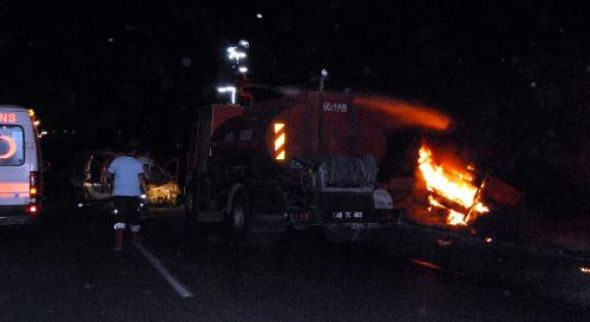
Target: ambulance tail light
<point>34,184</point>
<point>33,209</point>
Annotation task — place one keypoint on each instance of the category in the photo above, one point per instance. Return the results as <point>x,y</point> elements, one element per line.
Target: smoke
<point>402,113</point>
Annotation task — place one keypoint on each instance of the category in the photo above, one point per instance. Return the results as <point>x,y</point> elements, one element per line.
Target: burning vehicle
<point>456,193</point>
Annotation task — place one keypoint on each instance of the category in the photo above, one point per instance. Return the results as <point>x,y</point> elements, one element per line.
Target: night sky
<point>514,74</point>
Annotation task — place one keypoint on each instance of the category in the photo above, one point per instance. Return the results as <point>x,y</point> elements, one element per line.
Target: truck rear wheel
<point>243,226</point>
<point>238,215</point>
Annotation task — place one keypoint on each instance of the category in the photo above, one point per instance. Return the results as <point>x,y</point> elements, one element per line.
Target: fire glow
<point>456,187</point>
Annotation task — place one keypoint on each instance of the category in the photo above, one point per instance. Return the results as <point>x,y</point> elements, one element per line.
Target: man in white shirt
<point>128,181</point>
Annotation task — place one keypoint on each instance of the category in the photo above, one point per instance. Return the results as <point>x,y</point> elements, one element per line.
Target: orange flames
<point>450,189</point>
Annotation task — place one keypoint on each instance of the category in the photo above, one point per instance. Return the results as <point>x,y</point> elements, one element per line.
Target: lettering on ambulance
<point>335,107</point>
<point>8,118</point>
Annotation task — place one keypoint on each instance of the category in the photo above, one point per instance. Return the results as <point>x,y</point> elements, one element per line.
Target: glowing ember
<point>452,185</point>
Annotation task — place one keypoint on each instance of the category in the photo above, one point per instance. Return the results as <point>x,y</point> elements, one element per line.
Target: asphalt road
<point>67,271</point>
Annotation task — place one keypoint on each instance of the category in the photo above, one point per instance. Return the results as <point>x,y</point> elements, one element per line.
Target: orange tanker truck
<point>298,161</point>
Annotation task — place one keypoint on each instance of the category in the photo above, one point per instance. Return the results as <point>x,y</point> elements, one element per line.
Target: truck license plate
<point>343,215</point>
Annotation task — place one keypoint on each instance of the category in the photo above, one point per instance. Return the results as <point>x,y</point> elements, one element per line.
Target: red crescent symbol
<point>11,147</point>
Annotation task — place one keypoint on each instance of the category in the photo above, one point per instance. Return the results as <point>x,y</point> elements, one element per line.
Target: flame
<point>456,218</point>
<point>452,185</point>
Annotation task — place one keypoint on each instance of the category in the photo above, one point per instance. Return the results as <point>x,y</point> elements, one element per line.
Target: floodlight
<point>228,89</point>
<point>234,53</point>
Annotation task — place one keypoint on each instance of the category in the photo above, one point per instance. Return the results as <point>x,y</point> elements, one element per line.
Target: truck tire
<point>242,226</point>
<point>238,217</point>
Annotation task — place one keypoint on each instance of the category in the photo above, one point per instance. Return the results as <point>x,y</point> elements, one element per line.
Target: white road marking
<point>176,284</point>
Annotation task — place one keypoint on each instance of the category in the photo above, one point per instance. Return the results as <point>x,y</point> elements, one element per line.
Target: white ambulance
<point>20,166</point>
